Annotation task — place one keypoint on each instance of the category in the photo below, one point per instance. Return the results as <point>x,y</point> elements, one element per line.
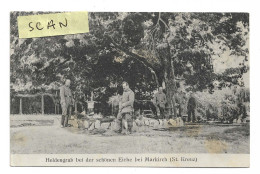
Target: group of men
<point>126,106</point>
<point>179,103</point>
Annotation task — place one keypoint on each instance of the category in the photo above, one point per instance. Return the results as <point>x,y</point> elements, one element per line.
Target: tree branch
<point>136,57</point>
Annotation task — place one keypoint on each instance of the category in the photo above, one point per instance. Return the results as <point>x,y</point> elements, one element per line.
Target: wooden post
<point>92,96</point>
<point>42,104</point>
<point>112,107</point>
<point>76,108</point>
<point>21,106</point>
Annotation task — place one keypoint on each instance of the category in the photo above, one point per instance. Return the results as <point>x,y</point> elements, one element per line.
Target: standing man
<point>160,101</point>
<point>66,102</point>
<point>191,108</point>
<point>179,102</point>
<point>126,109</point>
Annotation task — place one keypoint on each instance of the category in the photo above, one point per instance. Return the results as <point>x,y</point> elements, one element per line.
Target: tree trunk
<point>169,79</point>
<point>170,85</point>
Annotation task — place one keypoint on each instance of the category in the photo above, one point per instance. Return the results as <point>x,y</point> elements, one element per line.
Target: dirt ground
<point>36,137</point>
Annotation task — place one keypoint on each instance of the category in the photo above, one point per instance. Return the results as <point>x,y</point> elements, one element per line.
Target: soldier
<point>180,102</point>
<point>191,108</point>
<point>126,109</point>
<point>160,101</point>
<point>66,102</point>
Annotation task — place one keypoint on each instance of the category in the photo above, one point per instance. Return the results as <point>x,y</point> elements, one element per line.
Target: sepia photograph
<point>130,83</point>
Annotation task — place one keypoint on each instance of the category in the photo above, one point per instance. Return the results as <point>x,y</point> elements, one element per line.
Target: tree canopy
<point>146,49</point>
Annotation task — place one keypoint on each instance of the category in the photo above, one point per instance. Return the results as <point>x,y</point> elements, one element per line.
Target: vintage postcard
<point>148,89</point>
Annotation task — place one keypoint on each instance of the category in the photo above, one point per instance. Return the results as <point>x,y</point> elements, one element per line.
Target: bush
<point>224,105</point>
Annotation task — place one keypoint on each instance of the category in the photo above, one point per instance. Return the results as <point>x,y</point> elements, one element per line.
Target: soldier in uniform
<point>126,109</point>
<point>66,102</point>
<point>160,101</point>
<point>191,108</point>
<point>180,102</point>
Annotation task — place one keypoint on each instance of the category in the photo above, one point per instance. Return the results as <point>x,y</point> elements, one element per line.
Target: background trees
<point>146,49</point>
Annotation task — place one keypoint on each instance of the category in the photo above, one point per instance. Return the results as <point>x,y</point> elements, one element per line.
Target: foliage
<point>145,49</point>
<point>225,104</point>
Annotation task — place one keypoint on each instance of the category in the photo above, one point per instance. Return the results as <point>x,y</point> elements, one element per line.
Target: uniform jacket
<point>127,101</point>
<point>191,103</point>
<point>160,99</point>
<point>66,96</point>
<point>180,98</point>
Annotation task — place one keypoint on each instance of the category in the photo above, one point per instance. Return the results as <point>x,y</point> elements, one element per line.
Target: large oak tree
<point>146,49</point>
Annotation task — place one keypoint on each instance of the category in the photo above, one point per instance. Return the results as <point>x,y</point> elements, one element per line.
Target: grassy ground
<point>47,137</point>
